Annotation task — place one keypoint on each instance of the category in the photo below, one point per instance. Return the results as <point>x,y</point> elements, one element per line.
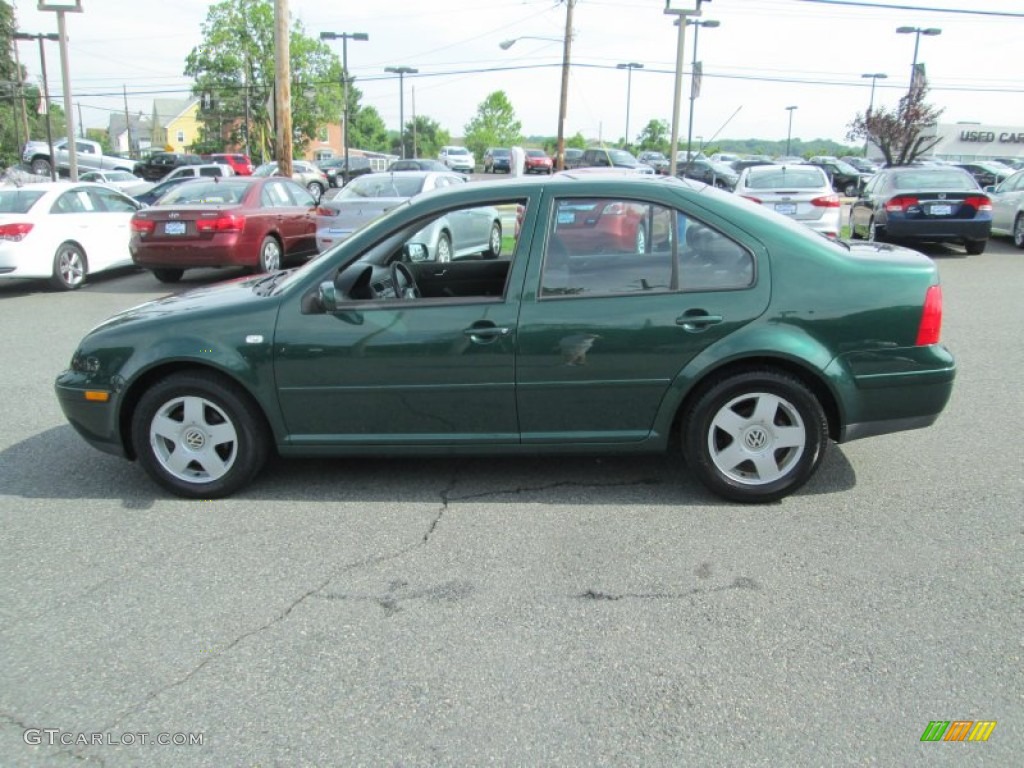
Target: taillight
<point>755,199</point>
<point>931,317</point>
<point>901,203</point>
<point>143,226</point>
<point>227,222</point>
<point>329,212</point>
<point>15,232</point>
<point>979,203</point>
<point>827,201</point>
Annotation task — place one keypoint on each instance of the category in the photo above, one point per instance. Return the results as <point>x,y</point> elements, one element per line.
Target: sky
<point>765,56</point>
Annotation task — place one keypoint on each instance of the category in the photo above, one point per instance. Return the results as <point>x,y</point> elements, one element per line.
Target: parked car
<point>240,163</point>
<point>208,170</point>
<point>63,232</point>
<point>244,221</point>
<point>752,339</point>
<point>88,156</point>
<point>160,164</point>
<point>304,173</point>
<point>721,175</point>
<point>845,179</point>
<point>161,188</point>
<point>538,161</point>
<point>1008,208</point>
<point>457,159</point>
<point>334,169</point>
<point>725,157</point>
<point>498,159</point>
<point>800,192</point>
<point>862,164</point>
<point>573,158</point>
<point>739,165</point>
<point>369,197</point>
<point>923,204</point>
<point>656,160</point>
<point>417,164</point>
<point>123,181</point>
<point>600,157</point>
<point>987,174</point>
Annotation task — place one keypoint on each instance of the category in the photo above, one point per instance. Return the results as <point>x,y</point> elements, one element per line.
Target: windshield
<point>500,152</point>
<point>846,168</point>
<point>536,153</point>
<point>265,170</point>
<point>723,169</point>
<point>621,156</point>
<point>383,186</point>
<point>17,200</point>
<point>457,151</point>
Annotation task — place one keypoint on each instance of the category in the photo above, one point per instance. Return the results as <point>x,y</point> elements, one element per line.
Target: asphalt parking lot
<point>578,612</point>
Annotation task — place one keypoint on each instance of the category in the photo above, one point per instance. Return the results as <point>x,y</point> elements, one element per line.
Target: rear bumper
<point>233,253</point>
<point>938,229</point>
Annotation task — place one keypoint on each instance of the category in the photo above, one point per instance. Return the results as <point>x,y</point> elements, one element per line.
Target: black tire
<point>41,166</point>
<point>850,190</point>
<point>444,248</point>
<point>781,436</point>
<point>70,267</point>
<point>876,234</point>
<point>494,242</point>
<point>199,435</point>
<point>168,275</point>
<point>271,255</point>
<point>1018,230</point>
<point>975,247</point>
<point>854,235</point>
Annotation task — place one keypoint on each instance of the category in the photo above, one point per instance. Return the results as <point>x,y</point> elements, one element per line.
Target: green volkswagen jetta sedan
<point>619,311</point>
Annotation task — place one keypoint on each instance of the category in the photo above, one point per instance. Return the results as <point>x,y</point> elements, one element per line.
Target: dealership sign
<point>974,140</point>
<point>1004,137</point>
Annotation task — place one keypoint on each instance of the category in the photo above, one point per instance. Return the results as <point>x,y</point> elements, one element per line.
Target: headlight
<point>84,364</point>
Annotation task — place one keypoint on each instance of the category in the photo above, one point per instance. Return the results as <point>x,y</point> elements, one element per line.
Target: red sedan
<point>537,161</point>
<point>225,222</point>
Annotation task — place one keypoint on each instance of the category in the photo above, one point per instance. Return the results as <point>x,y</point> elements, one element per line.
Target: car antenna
<point>689,160</point>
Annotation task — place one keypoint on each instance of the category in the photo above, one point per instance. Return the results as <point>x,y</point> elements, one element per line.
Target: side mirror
<point>328,296</point>
<point>414,252</point>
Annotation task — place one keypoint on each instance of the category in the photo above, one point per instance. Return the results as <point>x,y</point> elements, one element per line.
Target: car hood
<point>192,304</point>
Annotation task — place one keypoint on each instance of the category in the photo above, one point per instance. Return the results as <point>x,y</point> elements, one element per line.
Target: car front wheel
<point>198,435</point>
<point>69,267</point>
<point>755,436</point>
<point>494,242</point>
<point>876,234</point>
<point>444,248</point>
<point>1018,231</point>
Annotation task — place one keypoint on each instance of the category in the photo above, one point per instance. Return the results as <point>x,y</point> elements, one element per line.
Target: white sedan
<point>124,181</point>
<point>64,232</point>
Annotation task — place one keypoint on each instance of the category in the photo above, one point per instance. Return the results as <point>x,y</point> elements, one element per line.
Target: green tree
<point>654,137</point>
<point>367,130</point>
<point>495,125</point>
<point>576,141</point>
<point>236,59</point>
<point>430,137</point>
<point>899,133</point>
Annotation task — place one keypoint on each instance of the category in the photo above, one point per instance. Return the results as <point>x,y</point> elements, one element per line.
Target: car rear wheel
<point>1018,231</point>
<point>168,275</point>
<point>494,242</point>
<point>270,254</point>
<point>876,234</point>
<point>755,436</point>
<point>69,267</point>
<point>199,435</point>
<point>444,248</point>
<point>975,247</point>
<point>41,167</point>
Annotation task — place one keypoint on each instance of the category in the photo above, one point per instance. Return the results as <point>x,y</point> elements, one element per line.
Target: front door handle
<point>696,320</point>
<point>486,333</point>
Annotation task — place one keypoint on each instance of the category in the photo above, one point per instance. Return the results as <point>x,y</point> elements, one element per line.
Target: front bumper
<point>95,421</point>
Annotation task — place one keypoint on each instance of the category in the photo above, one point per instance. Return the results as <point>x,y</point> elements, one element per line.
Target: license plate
<point>786,209</point>
<point>941,210</point>
<point>566,217</point>
<point>174,228</point>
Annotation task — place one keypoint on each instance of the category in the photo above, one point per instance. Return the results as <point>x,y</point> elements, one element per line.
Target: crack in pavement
<point>740,582</point>
<point>445,498</point>
<point>551,486</point>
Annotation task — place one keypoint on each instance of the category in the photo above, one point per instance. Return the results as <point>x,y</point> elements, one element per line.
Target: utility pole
<point>65,71</point>
<point>563,101</point>
<point>21,92</point>
<point>81,125</point>
<point>44,104</point>
<point>678,97</point>
<point>283,88</point>
<point>127,122</point>
<point>415,152</point>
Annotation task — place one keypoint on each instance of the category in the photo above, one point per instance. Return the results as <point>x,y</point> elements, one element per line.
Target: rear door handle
<point>698,320</point>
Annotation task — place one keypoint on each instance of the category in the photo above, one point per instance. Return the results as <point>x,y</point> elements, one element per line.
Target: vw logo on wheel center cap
<point>755,438</point>
<point>194,439</point>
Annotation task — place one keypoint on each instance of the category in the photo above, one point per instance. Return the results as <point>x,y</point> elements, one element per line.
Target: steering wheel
<point>403,281</point>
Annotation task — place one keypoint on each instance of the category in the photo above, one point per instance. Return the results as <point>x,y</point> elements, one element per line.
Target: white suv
<point>457,158</point>
<point>210,169</point>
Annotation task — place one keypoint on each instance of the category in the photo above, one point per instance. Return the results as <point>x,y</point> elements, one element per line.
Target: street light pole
<point>629,67</point>
<point>693,75</point>
<point>46,92</point>
<point>401,72</point>
<point>65,70</point>
<point>917,32</point>
<point>875,76</point>
<point>678,97</point>
<point>789,133</point>
<point>344,37</point>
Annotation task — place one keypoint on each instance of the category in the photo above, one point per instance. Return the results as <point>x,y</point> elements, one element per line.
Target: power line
<point>891,6</point>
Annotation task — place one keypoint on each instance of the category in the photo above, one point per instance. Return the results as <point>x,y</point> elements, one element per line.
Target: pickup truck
<point>89,156</point>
